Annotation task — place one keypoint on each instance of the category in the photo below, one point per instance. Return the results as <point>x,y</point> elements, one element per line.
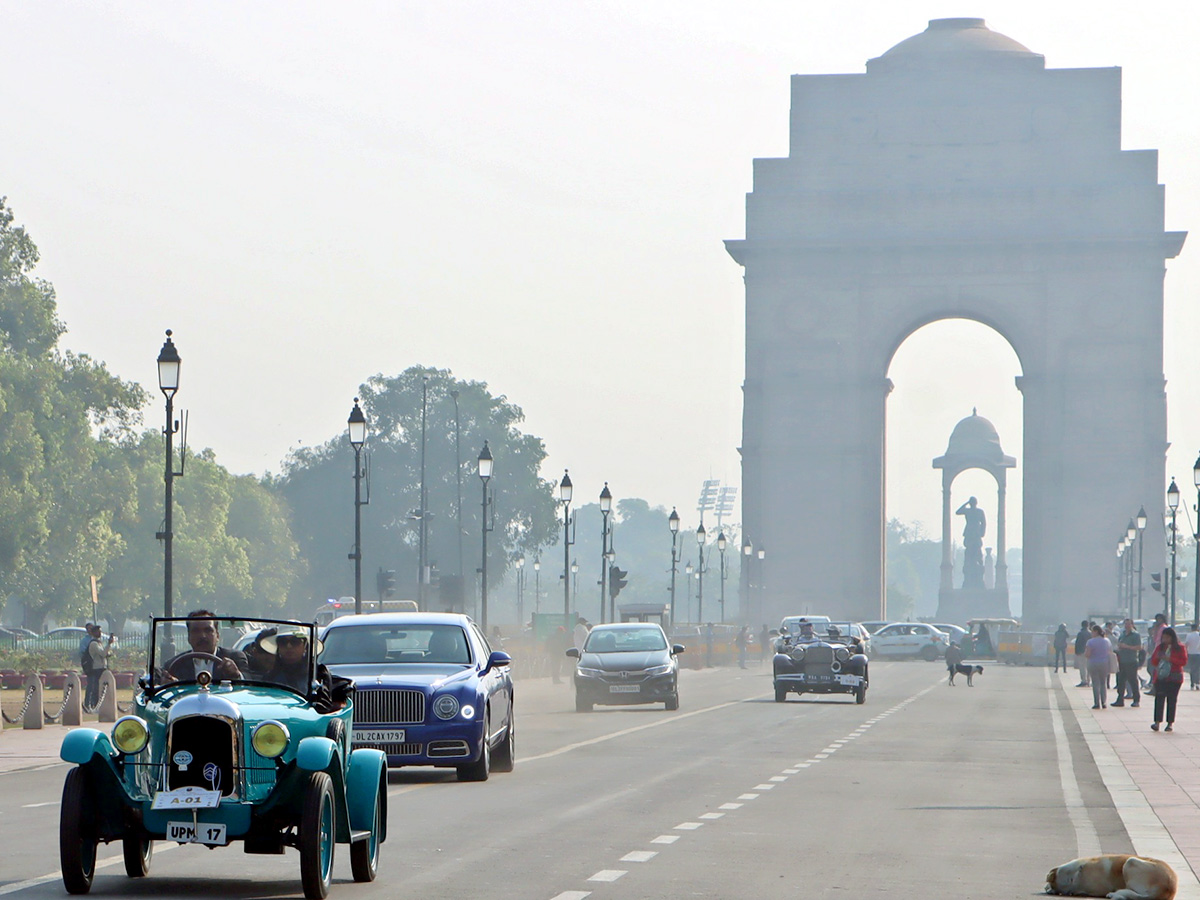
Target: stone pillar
<point>947,582</point>
<point>1001,540</point>
<point>72,713</point>
<point>108,697</point>
<point>33,712</point>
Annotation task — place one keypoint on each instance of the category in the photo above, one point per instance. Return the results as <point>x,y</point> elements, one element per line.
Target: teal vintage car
<point>221,749</point>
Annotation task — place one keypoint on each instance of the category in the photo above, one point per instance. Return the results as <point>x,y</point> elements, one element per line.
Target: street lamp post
<point>762,581</point>
<point>1173,505</point>
<point>701,534</point>
<point>1141,529</point>
<point>485,473</point>
<point>1120,574</point>
<point>168,383</point>
<point>1196,535</point>
<point>721,547</point>
<point>422,552</point>
<point>537,585</point>
<point>673,524</point>
<point>605,509</point>
<point>1131,536</point>
<point>748,553</point>
<point>564,495</point>
<point>356,427</point>
<point>575,577</point>
<point>687,571</point>
<point>458,484</point>
<point>611,557</point>
<point>520,564</point>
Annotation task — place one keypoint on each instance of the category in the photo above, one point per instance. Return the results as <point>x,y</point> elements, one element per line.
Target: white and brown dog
<point>1115,875</point>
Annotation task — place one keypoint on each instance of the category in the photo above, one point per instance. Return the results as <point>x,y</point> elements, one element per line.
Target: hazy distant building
<point>957,177</point>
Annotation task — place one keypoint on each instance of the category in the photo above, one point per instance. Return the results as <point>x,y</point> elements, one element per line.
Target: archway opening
<point>941,373</point>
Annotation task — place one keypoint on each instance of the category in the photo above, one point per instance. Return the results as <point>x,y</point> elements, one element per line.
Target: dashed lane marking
<point>665,839</point>
<point>688,826</point>
<point>711,815</point>
<point>609,874</point>
<point>763,787</point>
<point>160,847</point>
<point>639,856</point>
<point>731,806</point>
<point>777,778</point>
<point>748,796</point>
<point>571,895</point>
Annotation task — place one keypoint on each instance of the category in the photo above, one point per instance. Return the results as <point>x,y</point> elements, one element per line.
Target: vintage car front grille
<point>391,749</point>
<point>383,706</point>
<point>213,763</point>
<point>818,655</point>
<point>448,748</point>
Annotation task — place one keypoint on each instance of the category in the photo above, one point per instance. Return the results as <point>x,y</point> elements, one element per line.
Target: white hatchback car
<point>910,640</point>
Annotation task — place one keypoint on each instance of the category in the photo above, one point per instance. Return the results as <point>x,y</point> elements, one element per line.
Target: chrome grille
<point>820,654</point>
<point>382,706</point>
<point>213,760</point>
<point>406,749</point>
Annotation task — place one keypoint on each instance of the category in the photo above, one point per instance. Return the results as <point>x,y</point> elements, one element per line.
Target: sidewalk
<point>1163,768</point>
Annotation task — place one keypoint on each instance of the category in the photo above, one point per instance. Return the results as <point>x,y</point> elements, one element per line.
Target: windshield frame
<point>475,654</point>
<point>821,633</point>
<point>588,648</point>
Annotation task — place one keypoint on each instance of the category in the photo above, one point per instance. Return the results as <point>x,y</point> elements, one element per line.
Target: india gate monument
<point>957,177</point>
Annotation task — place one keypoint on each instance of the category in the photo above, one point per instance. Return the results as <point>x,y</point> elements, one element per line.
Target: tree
<point>316,485</point>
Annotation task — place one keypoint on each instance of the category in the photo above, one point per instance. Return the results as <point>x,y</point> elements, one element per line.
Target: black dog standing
<point>954,656</point>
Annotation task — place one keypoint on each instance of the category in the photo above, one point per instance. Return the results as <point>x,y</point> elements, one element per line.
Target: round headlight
<point>842,653</point>
<point>468,712</point>
<point>270,738</point>
<point>130,735</point>
<point>446,706</point>
<point>797,653</point>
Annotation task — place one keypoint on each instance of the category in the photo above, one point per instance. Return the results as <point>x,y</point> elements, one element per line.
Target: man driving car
<point>204,638</point>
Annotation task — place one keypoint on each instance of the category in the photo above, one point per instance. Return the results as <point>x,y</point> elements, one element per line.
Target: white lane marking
<point>1086,840</point>
<point>712,815</point>
<point>763,787</point>
<point>817,756</point>
<point>688,826</point>
<point>665,839</point>
<point>791,771</point>
<point>160,847</point>
<point>777,778</point>
<point>639,856</point>
<point>38,805</point>
<point>571,895</point>
<point>609,874</point>
<point>803,765</point>
<point>731,806</point>
<point>525,760</point>
<point>748,796</point>
<point>830,749</point>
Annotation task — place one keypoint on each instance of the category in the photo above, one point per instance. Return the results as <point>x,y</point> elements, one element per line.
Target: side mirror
<point>498,659</point>
<point>782,630</point>
<point>676,649</point>
<point>573,653</point>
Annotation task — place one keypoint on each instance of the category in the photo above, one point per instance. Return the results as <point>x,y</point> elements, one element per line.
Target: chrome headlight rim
<point>589,673</point>
<point>446,706</point>
<point>144,734</point>
<point>283,732</point>
<point>842,653</point>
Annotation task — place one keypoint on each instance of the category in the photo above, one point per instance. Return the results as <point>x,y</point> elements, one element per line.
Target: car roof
<point>609,626</point>
<point>400,618</point>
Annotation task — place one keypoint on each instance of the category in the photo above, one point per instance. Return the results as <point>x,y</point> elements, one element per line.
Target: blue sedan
<point>430,690</point>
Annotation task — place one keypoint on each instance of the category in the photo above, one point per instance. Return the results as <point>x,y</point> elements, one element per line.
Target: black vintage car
<point>820,659</point>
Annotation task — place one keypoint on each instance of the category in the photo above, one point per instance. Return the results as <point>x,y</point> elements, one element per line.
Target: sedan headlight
<point>590,673</point>
<point>270,738</point>
<point>658,670</point>
<point>130,734</point>
<point>446,706</point>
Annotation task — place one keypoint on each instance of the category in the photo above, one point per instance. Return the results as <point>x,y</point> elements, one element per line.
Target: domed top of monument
<point>973,441</point>
<point>955,42</point>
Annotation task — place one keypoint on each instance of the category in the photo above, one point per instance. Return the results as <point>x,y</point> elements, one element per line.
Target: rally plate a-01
<point>189,797</point>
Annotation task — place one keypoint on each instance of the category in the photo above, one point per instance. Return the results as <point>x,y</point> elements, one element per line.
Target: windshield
<point>840,632</point>
<point>371,644</point>
<point>624,640</point>
<point>274,651</point>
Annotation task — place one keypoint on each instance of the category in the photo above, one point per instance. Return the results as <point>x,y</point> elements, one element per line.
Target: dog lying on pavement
<point>1118,876</point>
<point>969,671</point>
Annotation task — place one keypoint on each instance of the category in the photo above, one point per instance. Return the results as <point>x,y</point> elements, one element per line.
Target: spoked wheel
<point>505,759</point>
<point>138,852</point>
<point>317,837</point>
<point>860,694</point>
<point>76,834</point>
<point>364,855</point>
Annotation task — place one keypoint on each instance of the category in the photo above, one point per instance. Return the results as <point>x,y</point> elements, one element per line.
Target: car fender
<point>82,744</point>
<point>367,769</point>
<point>315,754</point>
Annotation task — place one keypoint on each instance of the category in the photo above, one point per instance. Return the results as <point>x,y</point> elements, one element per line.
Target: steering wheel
<point>195,654</point>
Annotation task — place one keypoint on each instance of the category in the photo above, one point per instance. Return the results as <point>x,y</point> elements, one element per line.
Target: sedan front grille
<point>384,706</point>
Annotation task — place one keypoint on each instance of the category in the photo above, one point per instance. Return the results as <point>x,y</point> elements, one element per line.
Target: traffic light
<point>616,581</point>
<point>1156,581</point>
<point>380,582</point>
<point>389,582</point>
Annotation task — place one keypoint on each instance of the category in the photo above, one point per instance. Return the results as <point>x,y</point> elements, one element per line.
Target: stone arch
<point>957,177</point>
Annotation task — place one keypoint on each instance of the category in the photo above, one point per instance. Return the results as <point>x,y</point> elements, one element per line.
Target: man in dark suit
<point>204,637</point>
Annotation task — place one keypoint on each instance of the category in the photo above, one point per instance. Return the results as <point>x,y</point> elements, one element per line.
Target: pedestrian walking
<point>1097,651</point>
<point>579,635</point>
<point>1156,630</point>
<point>1061,638</point>
<point>1110,632</point>
<point>1129,662</point>
<point>1191,643</point>
<point>742,639</point>
<point>1167,662</point>
<point>1081,639</point>
<point>954,656</point>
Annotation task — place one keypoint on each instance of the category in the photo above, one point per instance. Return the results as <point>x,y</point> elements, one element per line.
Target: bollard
<point>108,697</point>
<point>72,713</point>
<point>33,709</point>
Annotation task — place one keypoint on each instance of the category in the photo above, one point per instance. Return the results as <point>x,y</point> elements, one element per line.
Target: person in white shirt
<point>1191,643</point>
<point>581,633</point>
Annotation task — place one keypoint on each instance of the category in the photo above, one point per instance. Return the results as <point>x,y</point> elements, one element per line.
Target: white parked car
<point>910,640</point>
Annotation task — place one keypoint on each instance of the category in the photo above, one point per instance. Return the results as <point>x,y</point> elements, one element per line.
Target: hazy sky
<point>533,194</point>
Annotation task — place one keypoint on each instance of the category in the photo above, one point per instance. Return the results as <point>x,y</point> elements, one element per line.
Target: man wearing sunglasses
<point>291,658</point>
